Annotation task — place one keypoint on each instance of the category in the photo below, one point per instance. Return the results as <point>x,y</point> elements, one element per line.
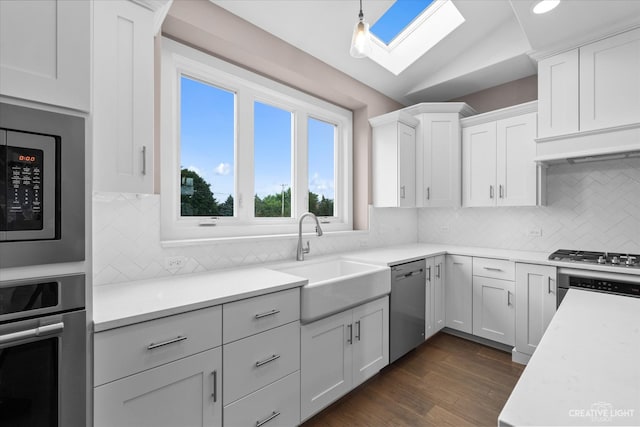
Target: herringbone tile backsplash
<point>593,206</point>
<point>590,206</point>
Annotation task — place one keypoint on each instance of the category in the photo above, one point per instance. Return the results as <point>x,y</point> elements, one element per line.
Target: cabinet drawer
<point>279,403</point>
<point>494,268</point>
<point>131,349</point>
<point>254,315</point>
<point>257,361</point>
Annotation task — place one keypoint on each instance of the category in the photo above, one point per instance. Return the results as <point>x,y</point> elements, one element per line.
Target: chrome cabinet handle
<point>501,191</point>
<point>266,420</point>
<point>268,313</point>
<point>350,340</point>
<point>428,193</point>
<point>508,298</point>
<point>492,268</point>
<point>144,160</point>
<point>438,271</point>
<point>491,191</point>
<point>402,192</point>
<point>167,342</point>
<point>215,386</point>
<point>267,360</point>
<point>549,291</point>
<point>30,333</point>
<point>429,273</point>
<point>358,330</point>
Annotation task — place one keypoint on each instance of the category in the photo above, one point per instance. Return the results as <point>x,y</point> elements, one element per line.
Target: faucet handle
<point>307,249</point>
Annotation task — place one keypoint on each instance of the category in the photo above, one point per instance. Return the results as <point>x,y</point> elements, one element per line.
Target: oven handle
<point>31,333</point>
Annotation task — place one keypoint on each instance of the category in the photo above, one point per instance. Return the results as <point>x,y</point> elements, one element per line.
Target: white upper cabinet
<point>438,152</point>
<point>498,151</point>
<point>558,94</point>
<point>610,82</point>
<point>394,160</point>
<point>45,51</point>
<point>594,87</point>
<point>123,104</point>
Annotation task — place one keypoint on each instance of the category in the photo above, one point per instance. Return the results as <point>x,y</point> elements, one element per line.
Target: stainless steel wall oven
<point>42,187</point>
<point>43,352</point>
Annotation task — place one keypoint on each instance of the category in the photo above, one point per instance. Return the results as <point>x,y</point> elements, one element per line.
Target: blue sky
<point>397,18</point>
<point>207,138</point>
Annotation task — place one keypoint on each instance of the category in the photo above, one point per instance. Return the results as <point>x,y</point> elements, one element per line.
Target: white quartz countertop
<point>132,302</point>
<point>586,370</point>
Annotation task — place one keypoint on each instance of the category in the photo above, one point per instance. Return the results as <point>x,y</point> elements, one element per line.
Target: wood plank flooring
<point>447,381</point>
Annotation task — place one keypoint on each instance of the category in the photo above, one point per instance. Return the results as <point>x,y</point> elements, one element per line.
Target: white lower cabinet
<point>536,295</point>
<point>342,351</point>
<point>494,309</point>
<point>434,296</point>
<point>458,293</point>
<point>277,404</point>
<point>186,392</point>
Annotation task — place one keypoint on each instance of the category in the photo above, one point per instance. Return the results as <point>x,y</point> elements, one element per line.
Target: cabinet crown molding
<point>393,117</point>
<point>503,113</point>
<point>462,108</point>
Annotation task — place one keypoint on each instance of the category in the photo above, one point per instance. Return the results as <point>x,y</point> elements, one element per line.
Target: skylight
<point>410,37</point>
<point>397,18</point>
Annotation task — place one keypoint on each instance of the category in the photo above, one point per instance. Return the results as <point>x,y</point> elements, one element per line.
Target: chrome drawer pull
<point>268,313</point>
<point>266,420</point>
<point>492,268</point>
<point>162,344</point>
<point>144,160</point>
<point>265,361</point>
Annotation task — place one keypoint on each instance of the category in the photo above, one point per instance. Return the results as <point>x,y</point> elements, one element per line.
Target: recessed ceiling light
<point>545,6</point>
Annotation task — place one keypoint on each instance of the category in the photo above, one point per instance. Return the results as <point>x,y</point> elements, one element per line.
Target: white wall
<point>127,246</point>
<point>592,206</point>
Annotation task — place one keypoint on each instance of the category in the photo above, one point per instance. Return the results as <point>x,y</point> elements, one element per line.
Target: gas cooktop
<point>611,259</point>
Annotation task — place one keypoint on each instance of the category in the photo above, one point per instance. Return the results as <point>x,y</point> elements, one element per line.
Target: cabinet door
<point>516,170</point>
<point>536,295</point>
<point>45,51</point>
<point>326,362</point>
<point>123,101</point>
<point>370,339</point>
<point>494,309</point>
<point>610,82</point>
<point>558,94</point>
<point>407,165</point>
<point>479,165</point>
<point>439,293</point>
<point>186,392</point>
<point>441,160</point>
<point>429,303</point>
<point>458,293</point>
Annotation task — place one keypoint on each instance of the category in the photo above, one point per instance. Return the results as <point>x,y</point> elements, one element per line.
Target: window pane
<point>207,139</point>
<point>321,167</point>
<point>272,134</point>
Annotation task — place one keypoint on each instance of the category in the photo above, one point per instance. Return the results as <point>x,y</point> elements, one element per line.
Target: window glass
<point>272,135</point>
<point>322,136</point>
<point>207,146</point>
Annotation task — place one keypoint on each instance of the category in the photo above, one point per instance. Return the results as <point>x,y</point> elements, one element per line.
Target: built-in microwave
<point>42,187</point>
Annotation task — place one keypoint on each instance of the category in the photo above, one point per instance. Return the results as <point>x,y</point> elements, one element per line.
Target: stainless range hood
<point>590,146</point>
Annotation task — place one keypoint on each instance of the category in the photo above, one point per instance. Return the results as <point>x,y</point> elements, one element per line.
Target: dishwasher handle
<point>409,274</point>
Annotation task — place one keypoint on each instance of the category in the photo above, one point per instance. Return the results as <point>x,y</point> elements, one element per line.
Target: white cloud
<point>223,169</point>
<point>321,186</point>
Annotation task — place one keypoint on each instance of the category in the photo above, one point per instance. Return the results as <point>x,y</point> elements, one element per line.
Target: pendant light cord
<point>361,15</point>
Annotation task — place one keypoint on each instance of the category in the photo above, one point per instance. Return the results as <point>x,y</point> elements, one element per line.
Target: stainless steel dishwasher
<point>407,308</point>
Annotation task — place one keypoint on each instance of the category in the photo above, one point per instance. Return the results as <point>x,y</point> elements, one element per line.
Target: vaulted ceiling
<point>494,45</point>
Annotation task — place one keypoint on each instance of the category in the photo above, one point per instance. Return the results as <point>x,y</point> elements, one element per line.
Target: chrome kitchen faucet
<point>301,250</point>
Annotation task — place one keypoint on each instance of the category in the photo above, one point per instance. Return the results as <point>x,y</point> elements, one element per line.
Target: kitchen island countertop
<point>586,369</point>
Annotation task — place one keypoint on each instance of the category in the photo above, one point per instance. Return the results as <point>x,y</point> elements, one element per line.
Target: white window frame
<point>178,59</point>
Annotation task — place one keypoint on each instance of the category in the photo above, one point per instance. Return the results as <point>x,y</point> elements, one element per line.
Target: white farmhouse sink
<point>338,284</point>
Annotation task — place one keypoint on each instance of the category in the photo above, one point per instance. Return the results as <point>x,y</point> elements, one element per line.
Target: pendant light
<point>360,42</point>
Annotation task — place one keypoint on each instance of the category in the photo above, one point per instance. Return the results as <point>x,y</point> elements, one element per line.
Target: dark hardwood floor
<point>447,381</point>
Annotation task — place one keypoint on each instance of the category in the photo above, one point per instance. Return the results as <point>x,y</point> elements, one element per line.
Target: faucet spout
<point>302,250</point>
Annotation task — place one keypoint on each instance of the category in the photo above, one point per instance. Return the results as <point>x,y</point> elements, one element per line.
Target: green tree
<point>273,205</point>
<point>320,206</point>
<point>226,208</point>
<point>196,198</point>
